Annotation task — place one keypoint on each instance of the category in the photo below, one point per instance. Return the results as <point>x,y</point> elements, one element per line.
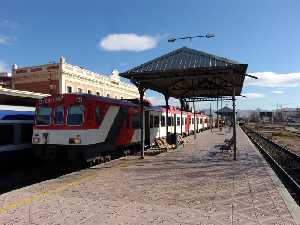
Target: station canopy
<point>188,73</point>
<point>225,111</point>
<point>19,98</point>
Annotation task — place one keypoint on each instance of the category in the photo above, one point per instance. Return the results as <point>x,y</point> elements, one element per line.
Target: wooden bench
<point>161,143</point>
<point>228,144</point>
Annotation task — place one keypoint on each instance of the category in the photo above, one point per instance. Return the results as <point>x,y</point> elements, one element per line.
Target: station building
<point>5,80</point>
<point>61,77</point>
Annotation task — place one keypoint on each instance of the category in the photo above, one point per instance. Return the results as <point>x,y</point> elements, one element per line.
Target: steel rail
<point>285,170</point>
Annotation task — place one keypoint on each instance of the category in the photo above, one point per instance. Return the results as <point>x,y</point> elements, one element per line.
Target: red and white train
<point>90,126</point>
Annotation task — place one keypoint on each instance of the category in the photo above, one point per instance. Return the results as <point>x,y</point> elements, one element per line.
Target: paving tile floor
<point>197,184</point>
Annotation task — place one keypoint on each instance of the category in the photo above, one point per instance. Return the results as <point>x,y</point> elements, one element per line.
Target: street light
<point>208,35</point>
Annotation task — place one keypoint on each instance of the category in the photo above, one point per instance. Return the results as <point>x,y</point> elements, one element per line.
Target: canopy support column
<point>211,119</point>
<point>234,123</point>
<point>167,116</point>
<point>217,113</point>
<point>195,136</point>
<point>181,109</point>
<point>175,130</point>
<point>142,92</point>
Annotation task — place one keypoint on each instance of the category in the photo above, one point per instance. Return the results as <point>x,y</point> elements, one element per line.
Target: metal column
<point>211,120</point>
<point>217,113</point>
<point>181,109</point>
<point>194,119</point>
<point>142,92</point>
<point>175,131</point>
<point>167,115</point>
<point>234,124</point>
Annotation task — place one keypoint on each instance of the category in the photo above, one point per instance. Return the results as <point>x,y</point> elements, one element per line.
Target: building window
<point>79,90</point>
<point>107,95</point>
<point>97,93</point>
<point>89,92</point>
<point>69,89</point>
<point>122,97</point>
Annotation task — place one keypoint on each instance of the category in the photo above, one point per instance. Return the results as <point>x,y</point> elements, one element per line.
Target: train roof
<point>96,97</point>
<point>122,102</point>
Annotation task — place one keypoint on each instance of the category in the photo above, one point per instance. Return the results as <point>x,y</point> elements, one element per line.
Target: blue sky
<point>263,33</point>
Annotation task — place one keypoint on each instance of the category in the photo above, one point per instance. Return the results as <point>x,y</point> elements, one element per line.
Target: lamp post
<point>208,35</point>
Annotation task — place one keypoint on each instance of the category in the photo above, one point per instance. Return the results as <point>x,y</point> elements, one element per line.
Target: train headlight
<point>76,140</point>
<point>35,140</point>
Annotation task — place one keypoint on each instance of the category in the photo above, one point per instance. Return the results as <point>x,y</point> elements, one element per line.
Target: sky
<point>106,35</point>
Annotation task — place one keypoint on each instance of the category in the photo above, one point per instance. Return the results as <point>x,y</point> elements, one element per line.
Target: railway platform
<point>197,184</point>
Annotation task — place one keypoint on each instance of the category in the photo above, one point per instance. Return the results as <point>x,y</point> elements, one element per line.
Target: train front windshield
<point>75,115</point>
<point>43,115</point>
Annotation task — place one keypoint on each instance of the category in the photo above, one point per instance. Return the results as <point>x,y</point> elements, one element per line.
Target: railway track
<point>284,162</point>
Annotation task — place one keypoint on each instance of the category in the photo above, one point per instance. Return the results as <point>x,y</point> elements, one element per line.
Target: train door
<point>147,128</point>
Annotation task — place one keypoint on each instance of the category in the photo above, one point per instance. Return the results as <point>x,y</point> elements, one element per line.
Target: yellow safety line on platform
<point>61,188</point>
<point>40,195</point>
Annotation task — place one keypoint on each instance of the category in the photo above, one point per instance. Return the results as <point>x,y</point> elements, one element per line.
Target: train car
<point>15,127</point>
<point>92,127</point>
<point>84,126</point>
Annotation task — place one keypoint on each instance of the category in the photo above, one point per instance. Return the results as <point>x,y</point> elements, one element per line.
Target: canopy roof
<point>19,98</point>
<point>186,73</point>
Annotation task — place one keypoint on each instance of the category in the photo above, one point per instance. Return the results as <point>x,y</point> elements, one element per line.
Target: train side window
<point>197,120</point>
<point>156,121</point>
<point>169,121</point>
<point>178,121</point>
<point>163,121</point>
<point>98,115</point>
<point>201,121</point>
<point>151,121</point>
<point>59,115</point>
<point>136,121</point>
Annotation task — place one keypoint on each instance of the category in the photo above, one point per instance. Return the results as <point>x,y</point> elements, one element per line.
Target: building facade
<point>59,78</point>
<point>5,80</point>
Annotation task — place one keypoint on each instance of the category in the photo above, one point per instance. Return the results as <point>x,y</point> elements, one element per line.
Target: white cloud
<point>4,40</point>
<point>3,67</point>
<point>254,95</point>
<point>128,42</point>
<point>277,92</point>
<point>270,79</point>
